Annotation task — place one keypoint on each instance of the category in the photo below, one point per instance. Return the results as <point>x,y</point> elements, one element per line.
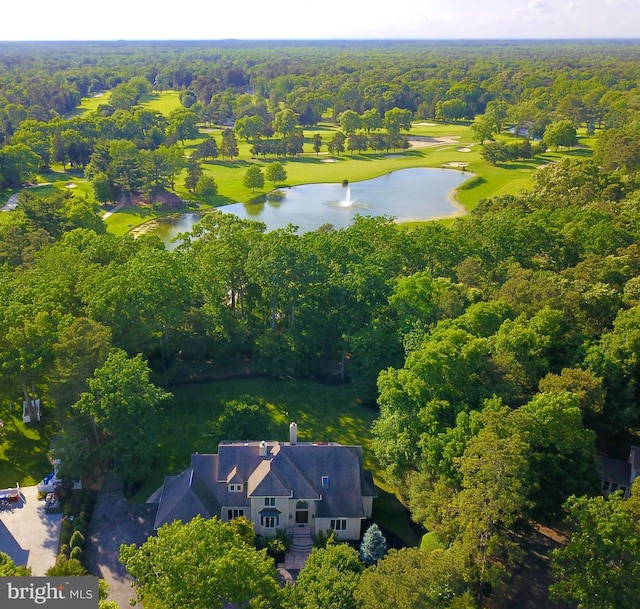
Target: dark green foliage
<point>243,419</point>
<point>175,567</point>
<point>600,566</point>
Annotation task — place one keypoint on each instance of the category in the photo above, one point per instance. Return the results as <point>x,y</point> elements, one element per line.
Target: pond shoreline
<point>311,203</point>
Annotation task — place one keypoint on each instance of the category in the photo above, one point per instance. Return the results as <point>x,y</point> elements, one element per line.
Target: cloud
<point>539,6</point>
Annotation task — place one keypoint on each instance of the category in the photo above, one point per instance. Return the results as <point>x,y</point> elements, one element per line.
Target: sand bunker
<point>426,124</point>
<point>420,141</point>
<point>456,164</point>
<point>70,185</point>
<point>329,160</point>
<point>465,149</point>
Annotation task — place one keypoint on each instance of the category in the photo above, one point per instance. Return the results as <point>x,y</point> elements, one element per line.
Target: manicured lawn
<point>323,413</point>
<point>23,454</point>
<point>121,222</point>
<point>164,102</point>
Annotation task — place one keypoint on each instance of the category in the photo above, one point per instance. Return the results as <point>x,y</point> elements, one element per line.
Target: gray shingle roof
<point>184,497</point>
<point>287,470</point>
<point>615,470</point>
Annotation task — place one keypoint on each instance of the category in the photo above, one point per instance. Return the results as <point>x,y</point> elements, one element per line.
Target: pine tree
<point>373,546</point>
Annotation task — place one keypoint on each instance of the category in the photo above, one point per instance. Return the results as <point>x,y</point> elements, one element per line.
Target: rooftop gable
<point>184,497</point>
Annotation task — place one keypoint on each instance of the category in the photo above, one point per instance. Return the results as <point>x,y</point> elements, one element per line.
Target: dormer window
<point>235,488</point>
<point>325,481</point>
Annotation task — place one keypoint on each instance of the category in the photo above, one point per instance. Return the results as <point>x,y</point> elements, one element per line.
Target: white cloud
<point>539,6</point>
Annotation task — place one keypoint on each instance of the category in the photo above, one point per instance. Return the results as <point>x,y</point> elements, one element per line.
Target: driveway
<point>29,535</point>
<point>116,522</point>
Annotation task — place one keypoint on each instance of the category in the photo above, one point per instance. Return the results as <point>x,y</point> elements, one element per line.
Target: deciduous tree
<point>253,178</point>
<point>600,566</point>
<point>203,564</point>
<point>275,172</point>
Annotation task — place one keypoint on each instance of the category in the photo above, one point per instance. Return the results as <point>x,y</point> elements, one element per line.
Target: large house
<point>618,475</point>
<point>277,485</point>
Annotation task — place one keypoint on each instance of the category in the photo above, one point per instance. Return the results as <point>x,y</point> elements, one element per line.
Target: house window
<point>270,522</point>
<point>235,488</point>
<point>234,513</point>
<point>339,524</point>
<point>269,501</point>
<point>325,481</point>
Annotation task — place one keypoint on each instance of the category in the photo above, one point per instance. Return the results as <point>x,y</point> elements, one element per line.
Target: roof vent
<point>262,451</point>
<point>293,433</point>
<point>325,481</point>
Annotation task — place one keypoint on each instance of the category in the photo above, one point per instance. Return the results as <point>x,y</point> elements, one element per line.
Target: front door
<point>302,512</point>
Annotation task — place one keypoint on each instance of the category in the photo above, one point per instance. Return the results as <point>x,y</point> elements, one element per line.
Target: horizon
<point>297,20</point>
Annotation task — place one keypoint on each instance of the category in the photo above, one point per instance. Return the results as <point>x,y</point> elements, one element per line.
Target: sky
<point>319,19</point>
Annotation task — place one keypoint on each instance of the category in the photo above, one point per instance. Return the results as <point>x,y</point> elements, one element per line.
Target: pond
<point>407,194</point>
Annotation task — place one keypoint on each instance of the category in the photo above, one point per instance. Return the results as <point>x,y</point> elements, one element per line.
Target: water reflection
<point>406,194</point>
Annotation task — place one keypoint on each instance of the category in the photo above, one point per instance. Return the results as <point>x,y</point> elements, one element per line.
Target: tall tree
<point>124,407</point>
<point>561,133</point>
<point>328,580</point>
<point>203,564</point>
<point>600,566</point>
<point>275,172</point>
<point>253,178</point>
<point>229,146</point>
<point>285,122</point>
<point>412,579</point>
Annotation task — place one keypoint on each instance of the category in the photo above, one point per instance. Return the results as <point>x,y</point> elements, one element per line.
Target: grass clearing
<point>329,413</point>
<point>323,413</point>
<point>23,454</point>
<point>161,101</point>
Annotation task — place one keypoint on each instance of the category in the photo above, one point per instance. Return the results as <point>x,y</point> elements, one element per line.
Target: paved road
<point>115,522</point>
<point>29,535</point>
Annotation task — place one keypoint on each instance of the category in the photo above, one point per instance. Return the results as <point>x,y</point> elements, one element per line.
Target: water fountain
<point>411,194</point>
<point>346,202</point>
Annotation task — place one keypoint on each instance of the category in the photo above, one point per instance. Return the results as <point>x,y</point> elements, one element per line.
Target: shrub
<point>322,539</point>
<point>66,530</point>
<point>77,540</point>
<point>66,567</point>
<point>77,554</point>
<point>276,549</point>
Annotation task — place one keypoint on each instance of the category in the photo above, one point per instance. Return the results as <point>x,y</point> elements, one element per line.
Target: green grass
<point>121,222</point>
<point>323,413</point>
<point>430,542</point>
<point>508,178</point>
<point>164,102</point>
<point>23,454</point>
